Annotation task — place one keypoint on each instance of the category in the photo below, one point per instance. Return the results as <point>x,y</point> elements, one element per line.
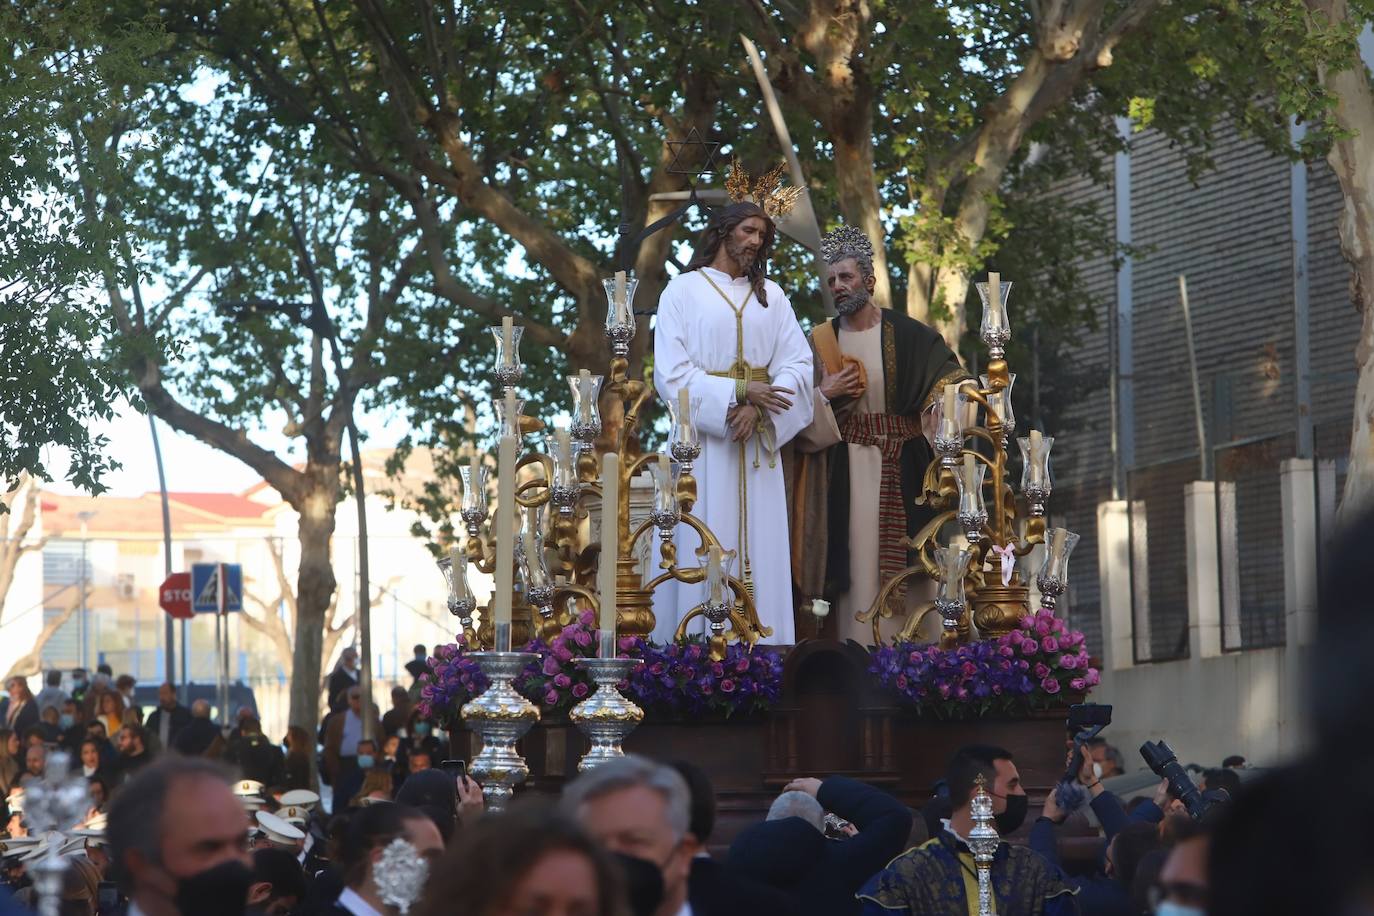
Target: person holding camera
<point>822,869</point>
<point>941,877</point>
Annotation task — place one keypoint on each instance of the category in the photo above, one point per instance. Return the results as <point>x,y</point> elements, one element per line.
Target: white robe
<point>695,335</point>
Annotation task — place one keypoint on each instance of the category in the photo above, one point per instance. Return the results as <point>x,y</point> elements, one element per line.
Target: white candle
<point>995,294</point>
<point>456,558</point>
<point>505,540</point>
<point>475,462</point>
<point>610,511</point>
<point>968,469</point>
<point>512,415</point>
<point>1036,443</point>
<point>951,401</point>
<point>684,405</point>
<point>507,334</point>
<point>620,295</point>
<point>715,584</point>
<point>665,468</point>
<point>584,385</point>
<point>564,443</point>
<point>1057,538</point>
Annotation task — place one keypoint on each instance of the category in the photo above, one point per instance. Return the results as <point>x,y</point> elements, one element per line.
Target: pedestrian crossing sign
<point>206,579</point>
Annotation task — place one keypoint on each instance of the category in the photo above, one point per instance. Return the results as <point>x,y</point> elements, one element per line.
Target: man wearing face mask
<point>857,470</point>
<point>641,809</point>
<point>940,876</point>
<point>178,841</point>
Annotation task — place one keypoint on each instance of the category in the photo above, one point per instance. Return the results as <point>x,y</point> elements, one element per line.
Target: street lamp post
<point>85,517</point>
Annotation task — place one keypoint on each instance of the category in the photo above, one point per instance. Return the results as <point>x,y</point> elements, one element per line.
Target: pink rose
<point>1006,652</point>
<point>1041,670</point>
<point>1029,647</point>
<point>742,666</point>
<point>1068,661</point>
<point>587,619</point>
<point>1042,628</point>
<point>1027,622</point>
<point>1079,684</point>
<point>562,653</point>
<point>580,690</point>
<point>1050,644</point>
<point>551,698</point>
<point>562,680</point>
<point>727,686</point>
<point>550,666</point>
<point>1050,685</point>
<point>582,638</point>
<point>1093,678</point>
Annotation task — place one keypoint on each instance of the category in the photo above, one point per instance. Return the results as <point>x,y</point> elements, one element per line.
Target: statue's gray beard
<point>855,301</point>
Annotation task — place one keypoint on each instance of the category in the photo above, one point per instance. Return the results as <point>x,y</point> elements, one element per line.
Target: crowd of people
<point>190,817</point>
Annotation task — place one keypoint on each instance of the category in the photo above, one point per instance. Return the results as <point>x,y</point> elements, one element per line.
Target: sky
<point>190,464</point>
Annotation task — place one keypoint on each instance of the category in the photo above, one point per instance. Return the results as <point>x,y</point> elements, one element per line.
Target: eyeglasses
<point>1182,892</point>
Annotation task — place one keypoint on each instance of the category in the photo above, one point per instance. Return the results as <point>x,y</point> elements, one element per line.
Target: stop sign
<point>175,595</point>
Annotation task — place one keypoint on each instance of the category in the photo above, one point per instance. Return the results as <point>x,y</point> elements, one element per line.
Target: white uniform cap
<point>301,798</point>
<point>246,787</point>
<point>252,802</point>
<point>294,814</point>
<point>17,801</point>
<point>278,830</point>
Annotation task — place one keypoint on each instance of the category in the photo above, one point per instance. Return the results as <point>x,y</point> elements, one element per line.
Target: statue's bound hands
<point>768,397</point>
<point>742,420</point>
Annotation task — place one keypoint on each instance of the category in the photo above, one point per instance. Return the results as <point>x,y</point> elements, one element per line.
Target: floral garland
<point>675,680</point>
<point>1041,664</point>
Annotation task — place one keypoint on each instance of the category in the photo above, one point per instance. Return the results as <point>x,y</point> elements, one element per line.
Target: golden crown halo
<point>766,191</point>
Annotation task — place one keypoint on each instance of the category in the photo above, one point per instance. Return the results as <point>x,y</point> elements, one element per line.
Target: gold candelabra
<point>957,485</point>
<point>556,559</point>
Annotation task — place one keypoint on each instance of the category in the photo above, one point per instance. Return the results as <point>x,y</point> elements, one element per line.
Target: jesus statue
<point>729,335</point>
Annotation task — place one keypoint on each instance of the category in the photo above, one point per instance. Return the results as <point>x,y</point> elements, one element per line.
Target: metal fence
<point>1249,512</point>
<point>1159,559</point>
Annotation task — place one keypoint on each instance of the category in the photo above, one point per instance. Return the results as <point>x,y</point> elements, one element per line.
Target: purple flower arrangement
<point>1040,664</point>
<point>675,680</point>
<point>680,679</point>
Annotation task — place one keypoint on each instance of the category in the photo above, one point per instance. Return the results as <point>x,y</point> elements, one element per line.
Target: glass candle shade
<point>473,509</point>
<point>949,425</point>
<point>509,369</point>
<point>999,404</point>
<point>534,570</point>
<point>509,425</point>
<point>684,443</point>
<point>620,319</point>
<point>1053,577</point>
<point>564,488</point>
<point>665,513</point>
<point>586,410</point>
<point>461,599</point>
<point>995,330</point>
<point>717,605</point>
<point>952,564</point>
<point>973,513</point>
<point>1035,470</point>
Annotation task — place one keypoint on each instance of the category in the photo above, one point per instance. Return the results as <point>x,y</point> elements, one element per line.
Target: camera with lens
<point>1162,760</point>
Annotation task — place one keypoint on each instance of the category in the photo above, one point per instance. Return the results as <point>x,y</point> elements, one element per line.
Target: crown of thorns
<point>766,191</point>
<point>846,242</point>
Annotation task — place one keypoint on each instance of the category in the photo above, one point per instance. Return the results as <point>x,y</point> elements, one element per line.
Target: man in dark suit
<point>168,719</point>
<point>712,888</point>
<point>790,851</point>
<point>195,739</point>
<point>256,756</point>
